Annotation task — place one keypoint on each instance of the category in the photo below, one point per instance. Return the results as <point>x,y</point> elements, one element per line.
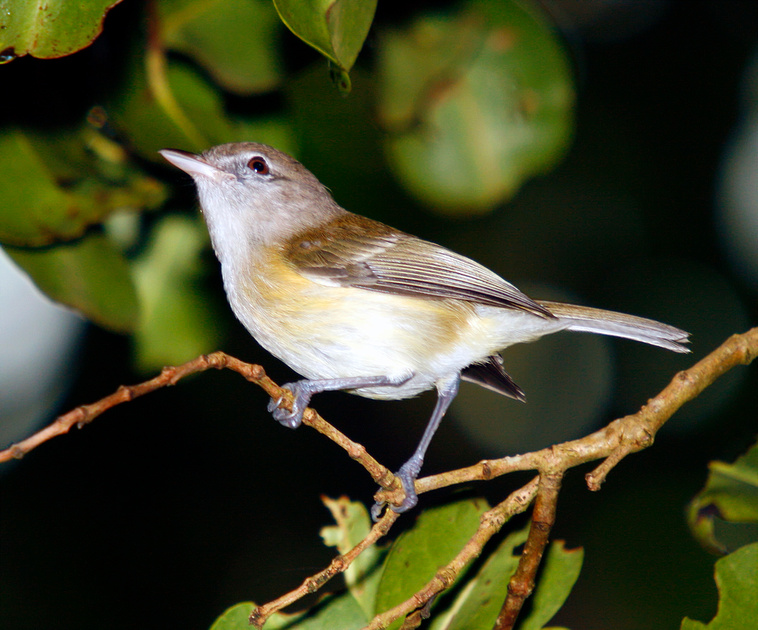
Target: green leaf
<point>56,185</point>
<point>89,275</point>
<point>737,581</point>
<point>353,525</point>
<point>335,612</point>
<point>475,102</point>
<point>336,28</point>
<point>53,28</point>
<point>731,495</point>
<point>177,321</point>
<point>559,572</point>
<point>274,130</point>
<point>435,539</point>
<point>479,601</point>
<point>236,41</point>
<point>166,103</point>
<point>236,618</point>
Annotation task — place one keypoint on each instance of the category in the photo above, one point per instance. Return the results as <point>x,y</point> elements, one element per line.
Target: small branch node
<point>356,451</point>
<point>80,416</point>
<point>125,393</point>
<point>486,470</point>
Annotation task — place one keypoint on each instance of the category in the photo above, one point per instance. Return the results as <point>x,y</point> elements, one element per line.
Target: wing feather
<point>357,252</point>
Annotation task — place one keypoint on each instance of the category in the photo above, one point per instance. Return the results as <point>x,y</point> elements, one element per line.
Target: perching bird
<point>353,304</point>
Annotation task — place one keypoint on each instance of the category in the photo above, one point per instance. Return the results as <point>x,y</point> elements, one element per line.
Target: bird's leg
<point>446,392</point>
<point>305,389</point>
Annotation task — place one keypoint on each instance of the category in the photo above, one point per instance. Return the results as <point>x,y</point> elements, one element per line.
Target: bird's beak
<point>192,164</point>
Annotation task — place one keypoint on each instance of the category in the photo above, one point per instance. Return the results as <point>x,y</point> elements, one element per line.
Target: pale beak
<point>192,164</point>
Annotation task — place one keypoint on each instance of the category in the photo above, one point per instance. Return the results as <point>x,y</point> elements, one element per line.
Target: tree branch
<point>611,444</point>
<point>80,416</point>
<point>313,583</point>
<point>522,581</point>
<point>489,524</point>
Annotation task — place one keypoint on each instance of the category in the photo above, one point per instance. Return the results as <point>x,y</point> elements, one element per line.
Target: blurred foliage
<point>724,515</point>
<point>234,41</point>
<point>462,102</point>
<point>475,101</point>
<point>412,560</point>
<point>90,274</point>
<point>493,68</point>
<point>167,276</point>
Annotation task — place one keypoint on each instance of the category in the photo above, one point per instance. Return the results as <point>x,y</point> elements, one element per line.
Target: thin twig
<point>636,432</point>
<point>85,414</point>
<point>612,443</point>
<point>619,438</point>
<point>169,376</point>
<point>489,524</point>
<point>312,584</point>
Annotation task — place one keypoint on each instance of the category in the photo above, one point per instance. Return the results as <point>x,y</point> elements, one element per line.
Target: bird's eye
<point>259,165</point>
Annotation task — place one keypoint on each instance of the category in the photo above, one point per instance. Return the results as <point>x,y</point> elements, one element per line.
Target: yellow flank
<point>321,330</point>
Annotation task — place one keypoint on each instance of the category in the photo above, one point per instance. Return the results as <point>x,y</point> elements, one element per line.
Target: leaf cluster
<point>384,578</point>
<point>465,103</point>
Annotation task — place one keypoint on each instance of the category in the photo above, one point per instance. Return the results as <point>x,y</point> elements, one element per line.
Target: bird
<point>352,304</point>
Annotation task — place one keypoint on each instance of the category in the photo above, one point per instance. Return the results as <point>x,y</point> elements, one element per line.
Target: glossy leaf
<point>177,321</point>
<point>336,28</point>
<point>435,539</point>
<point>731,495</point>
<point>737,582</point>
<point>479,601</point>
<point>89,275</point>
<point>234,40</point>
<point>49,29</point>
<point>474,102</point>
<point>335,612</point>
<point>560,571</point>
<point>55,186</point>
<point>236,618</point>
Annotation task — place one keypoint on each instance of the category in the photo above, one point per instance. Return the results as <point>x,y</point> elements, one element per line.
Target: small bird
<point>353,304</point>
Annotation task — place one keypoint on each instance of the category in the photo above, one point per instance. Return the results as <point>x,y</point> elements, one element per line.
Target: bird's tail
<point>595,320</point>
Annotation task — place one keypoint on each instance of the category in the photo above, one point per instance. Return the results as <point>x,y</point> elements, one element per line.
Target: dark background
<point>169,509</point>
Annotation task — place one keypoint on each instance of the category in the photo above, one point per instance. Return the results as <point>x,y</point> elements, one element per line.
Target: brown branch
<point>621,437</point>
<point>170,376</point>
<point>489,524</point>
<point>522,581</point>
<point>686,385</point>
<point>313,583</point>
<point>612,443</point>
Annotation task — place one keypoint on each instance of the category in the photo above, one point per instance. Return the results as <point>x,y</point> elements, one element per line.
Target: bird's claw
<point>290,418</point>
<point>407,475</point>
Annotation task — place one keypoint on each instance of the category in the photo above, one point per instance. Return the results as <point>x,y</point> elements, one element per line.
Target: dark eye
<point>259,165</point>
